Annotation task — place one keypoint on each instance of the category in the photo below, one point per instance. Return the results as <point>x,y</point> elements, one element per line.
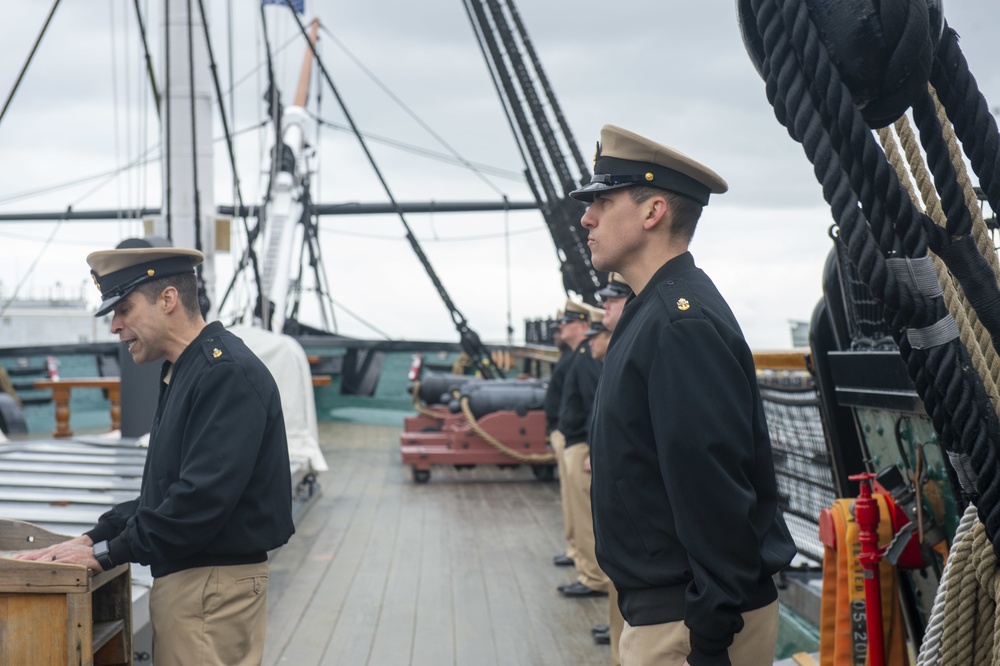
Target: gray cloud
<point>674,71</point>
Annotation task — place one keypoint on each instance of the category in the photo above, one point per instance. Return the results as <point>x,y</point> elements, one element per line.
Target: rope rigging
<point>410,112</point>
<point>202,293</point>
<point>546,169</point>
<point>249,254</point>
<point>886,237</point>
<point>943,311</point>
<point>24,68</point>
<point>149,60</point>
<point>469,339</point>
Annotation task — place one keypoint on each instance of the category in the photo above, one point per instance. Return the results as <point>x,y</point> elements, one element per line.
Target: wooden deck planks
<point>383,571</point>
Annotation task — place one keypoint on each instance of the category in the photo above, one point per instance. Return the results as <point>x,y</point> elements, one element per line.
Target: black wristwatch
<point>103,555</point>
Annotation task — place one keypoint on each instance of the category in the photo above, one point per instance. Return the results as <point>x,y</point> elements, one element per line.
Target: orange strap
<point>843,627</point>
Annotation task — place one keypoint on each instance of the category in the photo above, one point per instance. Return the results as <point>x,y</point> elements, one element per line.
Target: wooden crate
<point>53,613</point>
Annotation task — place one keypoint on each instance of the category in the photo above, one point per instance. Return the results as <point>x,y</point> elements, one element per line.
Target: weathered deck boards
<point>386,572</point>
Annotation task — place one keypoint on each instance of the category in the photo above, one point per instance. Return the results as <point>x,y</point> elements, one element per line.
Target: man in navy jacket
<point>685,502</point>
<point>216,488</point>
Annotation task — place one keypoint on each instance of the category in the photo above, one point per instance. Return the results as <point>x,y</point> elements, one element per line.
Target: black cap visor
<point>612,173</point>
<point>117,285</point>
<point>614,291</point>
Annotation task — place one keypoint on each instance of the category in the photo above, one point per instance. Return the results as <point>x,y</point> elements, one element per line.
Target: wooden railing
<point>60,396</point>
<point>61,389</point>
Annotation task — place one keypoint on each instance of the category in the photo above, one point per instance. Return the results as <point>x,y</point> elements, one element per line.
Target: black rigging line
<point>310,242</point>
<point>470,340</point>
<point>31,268</point>
<point>202,291</point>
<point>31,55</point>
<point>234,84</point>
<point>249,254</point>
<point>515,84</point>
<point>424,152</point>
<point>263,301</point>
<point>549,94</point>
<point>494,76</point>
<point>142,160</point>
<point>149,60</point>
<point>530,97</point>
<point>437,137</point>
<point>167,155</point>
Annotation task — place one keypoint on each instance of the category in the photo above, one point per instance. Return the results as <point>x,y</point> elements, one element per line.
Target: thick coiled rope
<point>969,632</point>
<point>934,635</point>
<point>967,108</point>
<point>810,99</point>
<point>974,336</point>
<point>957,247</point>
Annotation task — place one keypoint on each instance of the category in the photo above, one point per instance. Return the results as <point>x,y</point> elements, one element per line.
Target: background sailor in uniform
<point>575,413</point>
<point>684,496</point>
<point>216,489</point>
<point>613,297</point>
<point>572,325</point>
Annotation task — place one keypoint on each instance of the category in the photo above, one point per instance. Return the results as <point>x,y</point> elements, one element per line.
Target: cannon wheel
<point>544,472</point>
<point>421,475</point>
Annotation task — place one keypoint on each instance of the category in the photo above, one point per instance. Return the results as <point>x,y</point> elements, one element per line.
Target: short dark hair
<point>186,285</point>
<point>684,211</point>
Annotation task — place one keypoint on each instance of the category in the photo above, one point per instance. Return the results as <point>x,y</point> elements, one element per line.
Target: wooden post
<point>61,389</point>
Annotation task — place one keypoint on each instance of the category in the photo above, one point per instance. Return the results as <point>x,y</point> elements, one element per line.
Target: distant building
<point>54,319</point>
<point>800,333</point>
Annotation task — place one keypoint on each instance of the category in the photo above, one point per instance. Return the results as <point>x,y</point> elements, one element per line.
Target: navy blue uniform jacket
<point>685,503</point>
<point>553,395</point>
<point>216,488</point>
<point>577,406</point>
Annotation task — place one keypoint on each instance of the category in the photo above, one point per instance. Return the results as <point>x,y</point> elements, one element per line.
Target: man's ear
<point>655,212</point>
<point>170,299</point>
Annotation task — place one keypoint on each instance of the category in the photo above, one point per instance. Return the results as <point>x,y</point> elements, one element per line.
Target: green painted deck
<point>385,572</point>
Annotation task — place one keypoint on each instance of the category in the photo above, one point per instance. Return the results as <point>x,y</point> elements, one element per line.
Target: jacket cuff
<point>102,532</point>
<point>709,652</point>
<point>119,551</point>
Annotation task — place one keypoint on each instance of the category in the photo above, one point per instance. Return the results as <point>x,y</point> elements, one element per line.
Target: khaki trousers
<point>615,623</point>
<point>210,616</point>
<point>558,442</point>
<point>669,644</point>
<point>583,520</point>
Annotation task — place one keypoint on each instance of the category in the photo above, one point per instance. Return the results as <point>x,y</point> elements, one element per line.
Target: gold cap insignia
<point>150,272</point>
<point>649,176</point>
<point>96,283</point>
<point>683,304</point>
<point>216,353</point>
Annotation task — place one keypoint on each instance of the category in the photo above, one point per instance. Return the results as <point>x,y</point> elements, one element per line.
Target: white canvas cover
<point>289,365</point>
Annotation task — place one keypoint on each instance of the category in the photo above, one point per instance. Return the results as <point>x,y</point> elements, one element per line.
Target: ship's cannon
<point>437,397</point>
<point>436,389</point>
<point>486,421</point>
<point>518,396</point>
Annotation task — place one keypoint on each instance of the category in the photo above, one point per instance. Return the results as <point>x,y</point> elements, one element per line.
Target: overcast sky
<point>676,72</point>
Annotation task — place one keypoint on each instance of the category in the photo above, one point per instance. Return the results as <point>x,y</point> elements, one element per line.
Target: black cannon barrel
<point>520,397</point>
<point>433,386</point>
